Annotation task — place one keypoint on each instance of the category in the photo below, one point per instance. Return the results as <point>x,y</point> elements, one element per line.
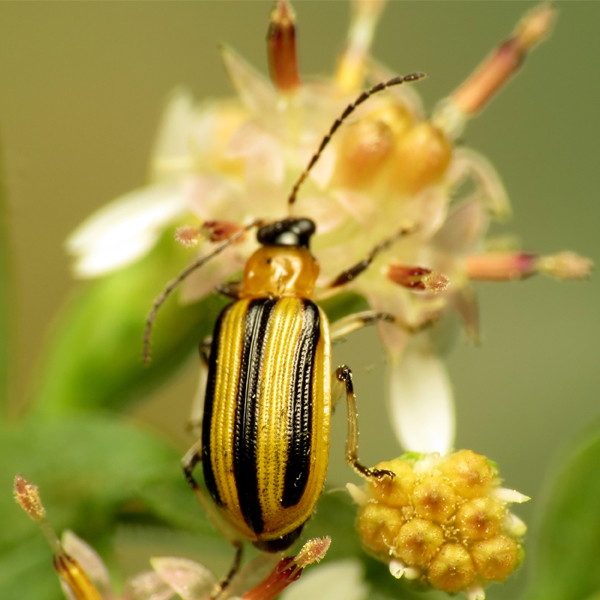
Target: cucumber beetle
<point>265,434</point>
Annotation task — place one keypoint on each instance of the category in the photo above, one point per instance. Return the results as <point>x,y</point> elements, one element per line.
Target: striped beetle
<point>265,434</point>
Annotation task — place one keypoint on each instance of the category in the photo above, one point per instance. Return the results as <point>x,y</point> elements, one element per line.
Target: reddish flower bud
<point>418,278</point>
<point>281,47</point>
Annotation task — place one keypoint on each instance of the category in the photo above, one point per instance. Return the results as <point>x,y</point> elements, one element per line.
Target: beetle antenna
<point>180,278</point>
<point>347,112</point>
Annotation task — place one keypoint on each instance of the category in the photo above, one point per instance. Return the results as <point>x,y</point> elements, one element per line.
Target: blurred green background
<point>82,86</point>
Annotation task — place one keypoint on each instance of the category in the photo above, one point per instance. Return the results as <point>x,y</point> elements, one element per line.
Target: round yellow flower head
<point>442,521</point>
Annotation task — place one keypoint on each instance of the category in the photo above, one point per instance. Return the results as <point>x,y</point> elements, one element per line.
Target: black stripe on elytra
<point>297,467</point>
<point>246,425</point>
<point>209,475</point>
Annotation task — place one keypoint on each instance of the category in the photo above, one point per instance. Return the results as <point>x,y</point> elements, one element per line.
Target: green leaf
<point>94,359</point>
<point>4,297</point>
<point>92,473</point>
<point>343,304</point>
<point>568,548</point>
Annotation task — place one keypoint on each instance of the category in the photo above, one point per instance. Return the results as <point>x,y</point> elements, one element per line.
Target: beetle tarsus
<point>235,566</point>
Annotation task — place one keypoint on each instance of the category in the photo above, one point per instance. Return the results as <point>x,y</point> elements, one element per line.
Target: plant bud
<point>421,159</point>
<point>378,527</point>
<point>393,491</point>
<point>419,541</point>
<point>470,473</point>
<point>363,151</point>
<point>495,558</point>
<point>452,570</point>
<point>434,499</point>
<point>479,518</point>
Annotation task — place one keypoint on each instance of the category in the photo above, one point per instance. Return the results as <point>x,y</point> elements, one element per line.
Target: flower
<point>84,576</point>
<point>442,521</point>
<point>222,164</point>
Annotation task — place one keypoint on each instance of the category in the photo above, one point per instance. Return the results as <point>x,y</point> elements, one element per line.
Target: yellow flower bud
<point>378,527</point>
<point>396,491</point>
<point>422,157</point>
<point>434,499</point>
<point>395,116</point>
<point>495,558</point>
<point>470,473</point>
<point>418,542</point>
<point>479,518</point>
<point>452,569</point>
<point>364,149</point>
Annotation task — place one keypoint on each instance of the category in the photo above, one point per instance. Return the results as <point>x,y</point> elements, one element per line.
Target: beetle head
<point>295,232</point>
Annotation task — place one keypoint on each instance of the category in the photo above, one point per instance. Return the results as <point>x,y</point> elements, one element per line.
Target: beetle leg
<point>352,323</point>
<point>354,271</point>
<point>172,286</point>
<point>192,457</point>
<point>205,345</point>
<point>344,375</point>
<point>230,290</point>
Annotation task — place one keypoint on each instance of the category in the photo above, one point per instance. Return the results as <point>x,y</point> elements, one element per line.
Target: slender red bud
<point>219,231</point>
<point>418,278</point>
<point>505,61</point>
<point>514,266</point>
<point>281,47</point>
<point>289,570</point>
<point>501,266</point>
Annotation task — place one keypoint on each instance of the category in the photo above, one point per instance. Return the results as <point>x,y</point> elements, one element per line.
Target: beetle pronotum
<point>265,434</point>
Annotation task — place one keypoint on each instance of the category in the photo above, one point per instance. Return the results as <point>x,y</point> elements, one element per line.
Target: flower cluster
<point>84,576</point>
<point>442,521</point>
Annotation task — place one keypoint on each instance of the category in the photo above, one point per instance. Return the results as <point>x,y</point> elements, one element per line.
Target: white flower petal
<point>88,559</point>
<point>427,211</point>
<point>421,402</point>
<point>514,526</point>
<point>359,206</point>
<point>172,147</point>
<point>212,198</point>
<point>358,494</point>
<point>489,187</point>
<point>428,464</point>
<point>251,574</point>
<point>255,91</point>
<point>324,211</point>
<point>340,580</point>
<point>265,162</point>
<point>464,228</point>
<point>397,568</point>
<point>509,496</point>
<point>124,230</point>
<point>464,302</point>
<point>475,592</point>
<point>412,573</point>
<point>147,586</point>
<point>189,579</point>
